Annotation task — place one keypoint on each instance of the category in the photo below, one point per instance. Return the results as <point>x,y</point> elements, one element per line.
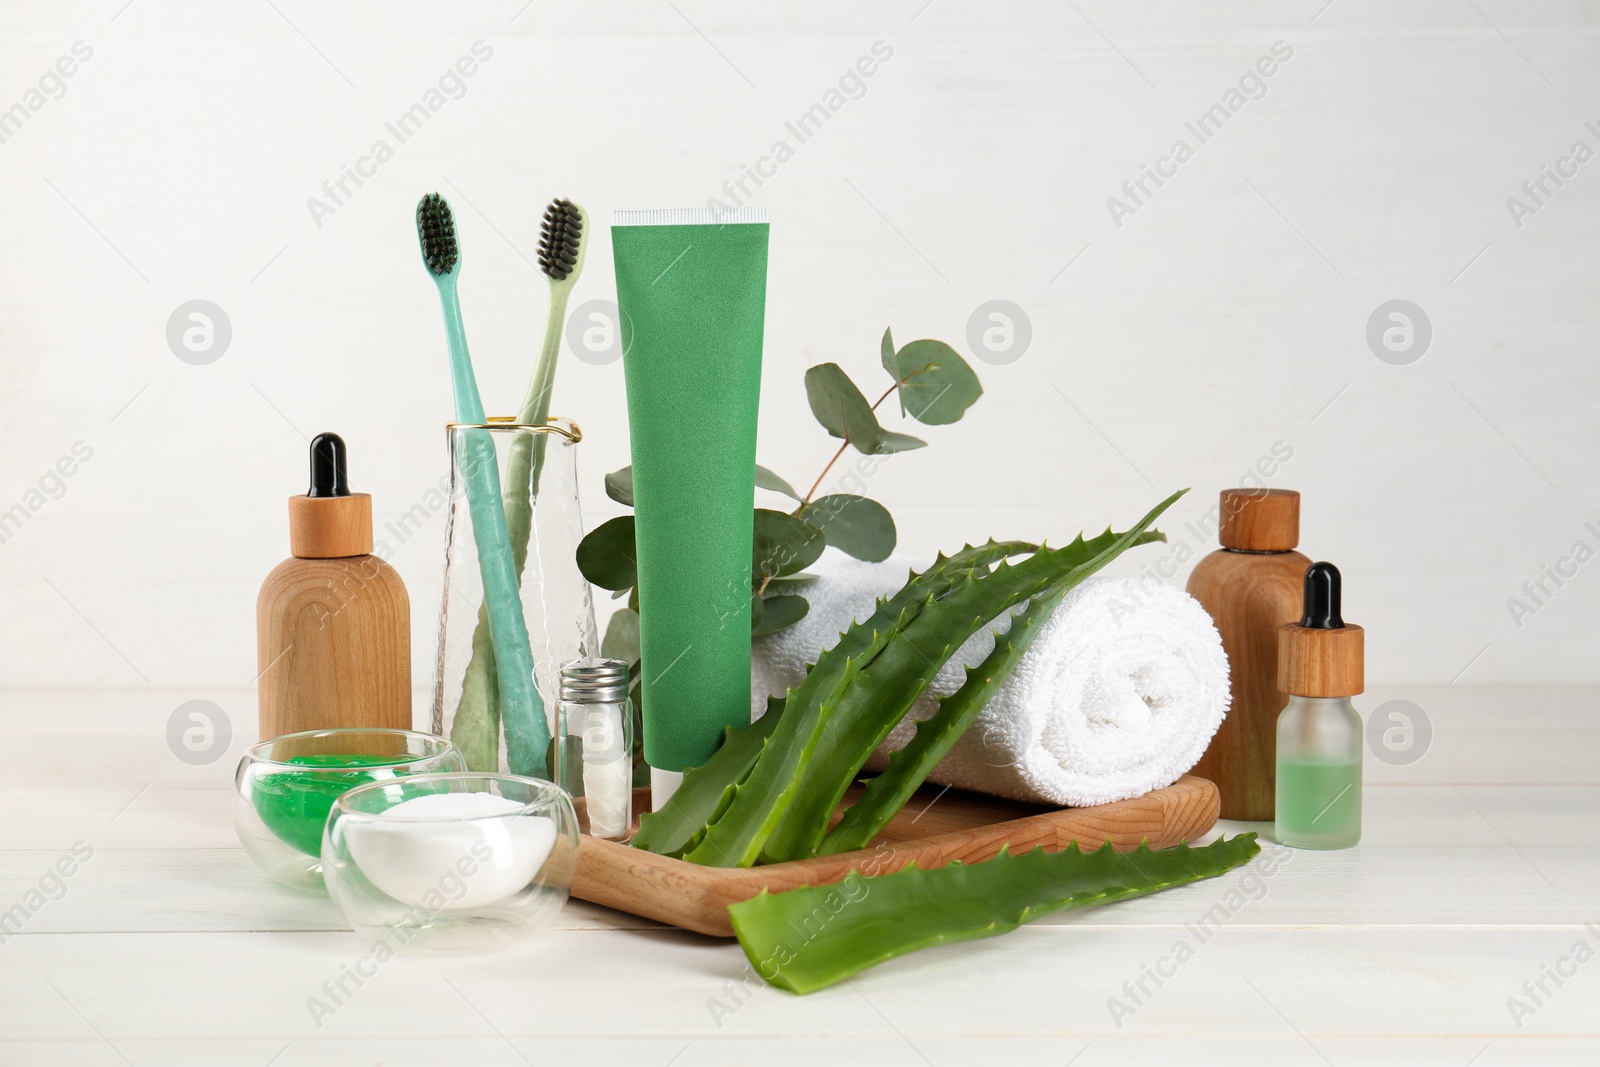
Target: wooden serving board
<point>935,827</point>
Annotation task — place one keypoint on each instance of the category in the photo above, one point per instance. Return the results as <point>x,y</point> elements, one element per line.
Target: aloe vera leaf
<point>809,938</point>
<point>837,667</point>
<point>706,787</point>
<point>888,792</point>
<point>784,772</point>
<point>860,717</point>
<point>706,790</point>
<point>909,767</point>
<point>852,730</point>
<point>477,733</point>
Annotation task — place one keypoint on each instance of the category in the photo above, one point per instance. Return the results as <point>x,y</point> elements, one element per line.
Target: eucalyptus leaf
<point>765,479</point>
<point>886,353</point>
<point>841,407</point>
<point>607,557</point>
<point>780,612</point>
<point>784,544</point>
<point>619,486</point>
<point>622,637</point>
<point>936,384</point>
<point>898,442</point>
<point>854,524</point>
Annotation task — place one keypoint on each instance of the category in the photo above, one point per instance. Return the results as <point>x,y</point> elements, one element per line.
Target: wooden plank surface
<point>936,827</point>
<point>169,949</point>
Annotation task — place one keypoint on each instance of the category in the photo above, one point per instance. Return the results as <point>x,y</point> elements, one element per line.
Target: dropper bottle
<point>333,622</point>
<point>1319,733</point>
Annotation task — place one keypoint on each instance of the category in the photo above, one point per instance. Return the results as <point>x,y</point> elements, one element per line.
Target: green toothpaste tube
<point>691,289</point>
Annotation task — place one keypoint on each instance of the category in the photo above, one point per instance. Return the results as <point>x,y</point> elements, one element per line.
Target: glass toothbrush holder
<point>539,495</point>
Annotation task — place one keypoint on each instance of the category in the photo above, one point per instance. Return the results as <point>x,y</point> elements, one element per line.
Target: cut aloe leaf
<point>763,796</point>
<point>887,793</point>
<point>809,938</point>
<point>860,716</point>
<point>704,792</point>
<point>706,788</point>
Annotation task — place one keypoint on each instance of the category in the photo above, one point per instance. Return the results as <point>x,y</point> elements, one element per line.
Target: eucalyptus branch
<point>887,393</point>
<point>788,541</point>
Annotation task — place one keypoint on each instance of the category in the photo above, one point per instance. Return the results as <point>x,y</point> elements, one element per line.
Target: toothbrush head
<point>436,229</point>
<point>561,241</point>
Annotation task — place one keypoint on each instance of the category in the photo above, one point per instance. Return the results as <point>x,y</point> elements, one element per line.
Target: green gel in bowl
<point>295,804</point>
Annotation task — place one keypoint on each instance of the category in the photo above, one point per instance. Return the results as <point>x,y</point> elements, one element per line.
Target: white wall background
<point>1227,315</point>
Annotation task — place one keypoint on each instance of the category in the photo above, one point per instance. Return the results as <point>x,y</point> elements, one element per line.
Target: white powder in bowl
<point>462,851</point>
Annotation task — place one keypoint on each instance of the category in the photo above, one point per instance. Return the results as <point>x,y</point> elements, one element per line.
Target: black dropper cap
<point>329,474</point>
<point>1322,596</point>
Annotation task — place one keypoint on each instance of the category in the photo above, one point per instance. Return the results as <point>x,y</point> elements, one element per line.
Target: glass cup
<point>285,787</point>
<point>451,862</point>
<point>537,475</point>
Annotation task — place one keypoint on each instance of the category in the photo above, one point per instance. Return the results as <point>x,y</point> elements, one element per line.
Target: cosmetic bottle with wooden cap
<point>1251,587</point>
<point>333,622</point>
<point>1319,733</point>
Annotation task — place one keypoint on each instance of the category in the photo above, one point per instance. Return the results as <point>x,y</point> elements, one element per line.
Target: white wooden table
<point>1479,870</point>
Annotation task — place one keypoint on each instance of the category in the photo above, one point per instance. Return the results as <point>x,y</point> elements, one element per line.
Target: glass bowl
<point>451,862</point>
<point>285,787</point>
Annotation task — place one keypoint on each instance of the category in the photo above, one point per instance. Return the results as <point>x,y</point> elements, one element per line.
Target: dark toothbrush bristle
<point>436,229</point>
<point>560,234</point>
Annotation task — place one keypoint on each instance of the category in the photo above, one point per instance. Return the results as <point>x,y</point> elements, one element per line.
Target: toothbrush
<point>527,735</point>
<point>561,251</point>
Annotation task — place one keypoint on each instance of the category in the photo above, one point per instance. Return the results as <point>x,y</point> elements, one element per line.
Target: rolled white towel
<point>1119,693</point>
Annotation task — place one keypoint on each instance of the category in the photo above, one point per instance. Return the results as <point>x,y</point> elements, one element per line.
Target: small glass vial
<point>1319,773</point>
<point>594,743</point>
<point>1320,736</point>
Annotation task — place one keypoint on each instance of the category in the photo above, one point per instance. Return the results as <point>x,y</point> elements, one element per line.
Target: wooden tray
<point>931,830</point>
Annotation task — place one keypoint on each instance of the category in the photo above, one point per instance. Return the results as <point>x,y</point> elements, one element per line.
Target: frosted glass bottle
<point>1319,773</point>
<point>1320,664</point>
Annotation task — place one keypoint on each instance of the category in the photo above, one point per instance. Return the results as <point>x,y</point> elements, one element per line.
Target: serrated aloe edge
<point>888,792</point>
<point>865,714</point>
<point>781,811</point>
<point>708,791</point>
<point>771,790</point>
<point>810,938</point>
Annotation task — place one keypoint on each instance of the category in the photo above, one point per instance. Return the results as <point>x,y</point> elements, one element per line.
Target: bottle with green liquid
<point>1319,734</point>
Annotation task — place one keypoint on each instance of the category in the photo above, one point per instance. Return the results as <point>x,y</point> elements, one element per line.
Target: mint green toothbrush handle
<point>521,709</point>
<point>476,738</point>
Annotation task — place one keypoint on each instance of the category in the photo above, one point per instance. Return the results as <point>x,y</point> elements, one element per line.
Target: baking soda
<point>470,850</point>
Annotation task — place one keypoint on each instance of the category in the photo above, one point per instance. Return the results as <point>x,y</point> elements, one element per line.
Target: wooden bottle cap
<point>329,527</point>
<point>1321,663</point>
<point>1260,520</point>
